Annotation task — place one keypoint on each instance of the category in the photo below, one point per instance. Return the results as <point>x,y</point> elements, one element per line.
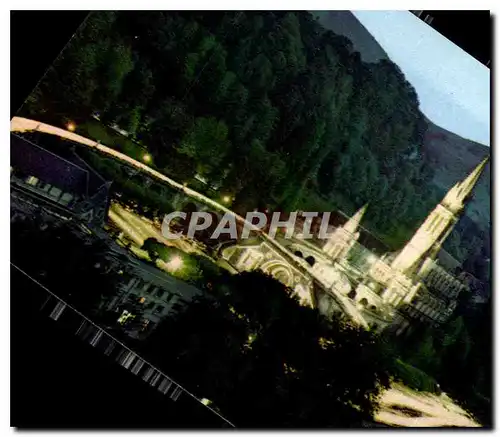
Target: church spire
<point>344,237</point>
<point>352,224</point>
<point>429,237</point>
<point>456,197</point>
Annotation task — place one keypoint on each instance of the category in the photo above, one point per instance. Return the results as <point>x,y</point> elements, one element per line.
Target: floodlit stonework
<point>378,292</point>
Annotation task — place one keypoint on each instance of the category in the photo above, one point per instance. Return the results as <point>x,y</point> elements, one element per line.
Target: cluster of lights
<point>175,263</point>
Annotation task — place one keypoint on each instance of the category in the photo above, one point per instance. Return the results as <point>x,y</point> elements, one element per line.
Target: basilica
<point>345,279</point>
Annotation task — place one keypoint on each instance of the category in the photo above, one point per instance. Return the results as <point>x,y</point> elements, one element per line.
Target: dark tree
<point>267,361</point>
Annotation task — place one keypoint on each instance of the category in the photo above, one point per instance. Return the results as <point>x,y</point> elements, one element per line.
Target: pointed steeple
<point>432,233</point>
<point>344,237</point>
<point>456,197</point>
<point>352,225</point>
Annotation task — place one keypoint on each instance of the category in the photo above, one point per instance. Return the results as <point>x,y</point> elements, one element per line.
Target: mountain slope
<point>450,156</point>
<point>346,24</point>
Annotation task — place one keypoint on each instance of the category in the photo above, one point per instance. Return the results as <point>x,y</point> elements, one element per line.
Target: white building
<point>392,290</point>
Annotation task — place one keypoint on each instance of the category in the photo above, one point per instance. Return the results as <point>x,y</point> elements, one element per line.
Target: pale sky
<point>453,87</point>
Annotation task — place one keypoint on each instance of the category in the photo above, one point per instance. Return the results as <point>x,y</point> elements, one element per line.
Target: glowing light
<point>175,263</point>
<point>71,126</point>
<point>146,157</point>
<point>124,317</point>
<point>226,199</point>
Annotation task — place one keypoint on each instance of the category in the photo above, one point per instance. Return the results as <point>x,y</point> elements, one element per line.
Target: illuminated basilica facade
<point>345,279</point>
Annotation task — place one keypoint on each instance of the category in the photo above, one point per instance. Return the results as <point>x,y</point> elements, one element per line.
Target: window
<point>146,287</point>
<point>363,302</point>
<point>55,192</point>
<point>32,180</point>
<point>437,224</point>
<point>150,305</point>
<point>169,297</point>
<point>244,260</point>
<point>66,198</point>
<point>159,309</point>
<point>160,293</point>
<point>431,223</point>
<point>131,283</point>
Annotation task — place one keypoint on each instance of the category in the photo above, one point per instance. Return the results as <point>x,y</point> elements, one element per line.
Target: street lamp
<point>146,157</point>
<point>71,126</point>
<point>226,199</point>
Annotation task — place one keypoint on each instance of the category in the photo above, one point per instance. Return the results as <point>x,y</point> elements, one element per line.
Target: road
<point>139,228</point>
<point>401,406</point>
<point>19,124</point>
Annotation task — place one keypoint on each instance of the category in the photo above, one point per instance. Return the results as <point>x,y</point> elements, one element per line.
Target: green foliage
<point>284,106</point>
<point>206,143</point>
<point>98,132</point>
<point>153,247</point>
<point>414,377</point>
<point>266,361</point>
<point>457,354</point>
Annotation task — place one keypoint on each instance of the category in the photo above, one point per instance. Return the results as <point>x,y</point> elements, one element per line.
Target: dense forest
<point>278,113</point>
<point>268,106</point>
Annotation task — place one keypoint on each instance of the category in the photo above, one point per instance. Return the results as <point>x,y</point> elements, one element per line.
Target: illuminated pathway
<point>19,124</point>
<point>401,406</point>
<point>141,229</point>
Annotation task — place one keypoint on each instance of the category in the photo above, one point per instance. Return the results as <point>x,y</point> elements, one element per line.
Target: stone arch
<point>352,294</point>
<point>280,271</point>
<point>373,308</point>
<point>298,253</point>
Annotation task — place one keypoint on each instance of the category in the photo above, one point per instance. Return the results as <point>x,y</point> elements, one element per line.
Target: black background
<point>37,37</point>
<point>470,30</point>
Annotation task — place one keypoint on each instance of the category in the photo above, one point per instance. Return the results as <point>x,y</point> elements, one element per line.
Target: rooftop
<point>66,171</point>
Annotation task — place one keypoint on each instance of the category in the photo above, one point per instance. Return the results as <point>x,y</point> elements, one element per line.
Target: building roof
<point>66,171</point>
<point>148,272</point>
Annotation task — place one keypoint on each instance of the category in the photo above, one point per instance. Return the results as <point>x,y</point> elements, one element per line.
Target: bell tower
<point>429,237</point>
<point>343,238</point>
